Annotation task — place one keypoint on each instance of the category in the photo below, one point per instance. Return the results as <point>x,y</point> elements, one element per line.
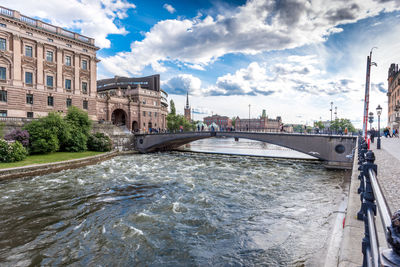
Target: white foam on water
<point>85,234</point>
<point>80,181</point>
<point>143,214</point>
<point>103,230</point>
<point>175,207</point>
<point>136,231</point>
<point>79,226</point>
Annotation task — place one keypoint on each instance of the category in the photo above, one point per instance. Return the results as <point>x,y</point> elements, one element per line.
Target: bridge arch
<point>332,149</point>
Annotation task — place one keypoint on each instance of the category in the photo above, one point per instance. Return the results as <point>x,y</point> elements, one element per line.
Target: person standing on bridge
<point>372,134</point>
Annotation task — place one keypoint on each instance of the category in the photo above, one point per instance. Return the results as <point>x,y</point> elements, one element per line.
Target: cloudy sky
<point>291,58</point>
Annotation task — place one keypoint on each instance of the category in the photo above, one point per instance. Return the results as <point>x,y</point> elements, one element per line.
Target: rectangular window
<point>149,113</point>
<point>144,113</point>
<point>50,40</point>
<point>28,51</point>
<point>68,61</point>
<point>84,87</point>
<point>29,114</point>
<point>29,99</point>
<point>49,81</point>
<point>28,77</point>
<point>3,96</point>
<point>69,102</point>
<point>155,114</point>
<point>84,64</point>
<point>3,113</point>
<point>67,84</point>
<point>50,101</point>
<point>2,44</point>
<point>85,104</point>
<point>49,56</point>
<point>3,25</point>
<point>3,73</point>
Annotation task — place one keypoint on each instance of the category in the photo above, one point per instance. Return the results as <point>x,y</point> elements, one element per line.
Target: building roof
<point>149,82</point>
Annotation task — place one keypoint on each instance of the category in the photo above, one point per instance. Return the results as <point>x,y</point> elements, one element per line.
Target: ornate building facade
<point>393,94</point>
<point>223,122</point>
<point>137,103</point>
<point>44,68</point>
<point>260,124</point>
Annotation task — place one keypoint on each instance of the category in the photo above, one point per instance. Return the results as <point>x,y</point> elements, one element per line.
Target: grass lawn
<point>49,158</point>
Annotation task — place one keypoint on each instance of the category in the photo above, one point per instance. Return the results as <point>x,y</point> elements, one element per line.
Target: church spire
<point>187,99</point>
<point>187,109</point>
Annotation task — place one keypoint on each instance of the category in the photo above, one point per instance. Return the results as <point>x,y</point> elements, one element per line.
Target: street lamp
<point>249,117</point>
<point>330,124</point>
<point>371,120</point>
<point>379,112</point>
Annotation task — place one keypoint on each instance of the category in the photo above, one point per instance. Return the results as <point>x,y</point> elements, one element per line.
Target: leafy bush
<point>80,119</point>
<point>76,142</point>
<point>10,152</point>
<point>99,142</point>
<point>18,135</point>
<point>55,133</point>
<point>43,136</point>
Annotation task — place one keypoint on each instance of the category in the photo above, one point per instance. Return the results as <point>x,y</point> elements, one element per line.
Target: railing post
<point>391,257</point>
<point>368,202</point>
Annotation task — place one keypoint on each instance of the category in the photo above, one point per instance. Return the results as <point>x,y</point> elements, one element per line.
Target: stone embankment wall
<point>42,169</point>
<point>122,138</point>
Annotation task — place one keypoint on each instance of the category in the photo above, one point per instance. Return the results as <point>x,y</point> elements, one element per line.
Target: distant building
<point>223,122</point>
<point>138,103</point>
<point>393,96</point>
<point>187,110</point>
<point>260,124</point>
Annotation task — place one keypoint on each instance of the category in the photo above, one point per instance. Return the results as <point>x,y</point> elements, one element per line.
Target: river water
<point>172,209</point>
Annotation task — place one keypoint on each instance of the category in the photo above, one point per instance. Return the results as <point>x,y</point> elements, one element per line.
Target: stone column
<point>77,65</point>
<point>59,60</point>
<point>39,65</point>
<point>17,75</point>
<point>93,76</point>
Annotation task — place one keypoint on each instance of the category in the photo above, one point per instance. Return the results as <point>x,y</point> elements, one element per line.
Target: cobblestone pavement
<point>388,161</point>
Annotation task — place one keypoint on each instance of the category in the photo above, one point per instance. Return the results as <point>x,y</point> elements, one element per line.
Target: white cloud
<point>183,83</point>
<point>255,27</point>
<point>169,8</point>
<point>95,19</point>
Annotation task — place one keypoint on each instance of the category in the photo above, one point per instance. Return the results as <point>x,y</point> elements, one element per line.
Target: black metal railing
<point>372,199</point>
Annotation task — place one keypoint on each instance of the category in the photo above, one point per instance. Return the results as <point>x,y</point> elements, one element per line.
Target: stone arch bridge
<point>334,150</point>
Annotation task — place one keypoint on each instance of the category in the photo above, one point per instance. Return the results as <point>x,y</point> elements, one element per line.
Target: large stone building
<point>263,123</point>
<point>223,122</point>
<point>137,103</point>
<point>44,68</point>
<point>393,96</point>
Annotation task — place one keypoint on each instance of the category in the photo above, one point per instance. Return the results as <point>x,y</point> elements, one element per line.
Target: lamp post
<point>249,117</point>
<point>379,112</point>
<point>371,120</point>
<point>330,124</point>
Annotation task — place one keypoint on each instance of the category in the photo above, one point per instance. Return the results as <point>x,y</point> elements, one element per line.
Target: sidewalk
<point>388,161</point>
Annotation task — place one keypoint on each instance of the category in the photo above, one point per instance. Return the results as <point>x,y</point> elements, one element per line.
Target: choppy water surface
<point>171,209</point>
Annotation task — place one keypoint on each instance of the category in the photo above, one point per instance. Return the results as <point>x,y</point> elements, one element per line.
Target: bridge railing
<point>371,199</point>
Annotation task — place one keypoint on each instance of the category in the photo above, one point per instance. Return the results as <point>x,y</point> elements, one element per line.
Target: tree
<point>172,106</point>
<point>174,121</point>
<point>319,124</point>
<point>341,124</point>
<point>233,121</point>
